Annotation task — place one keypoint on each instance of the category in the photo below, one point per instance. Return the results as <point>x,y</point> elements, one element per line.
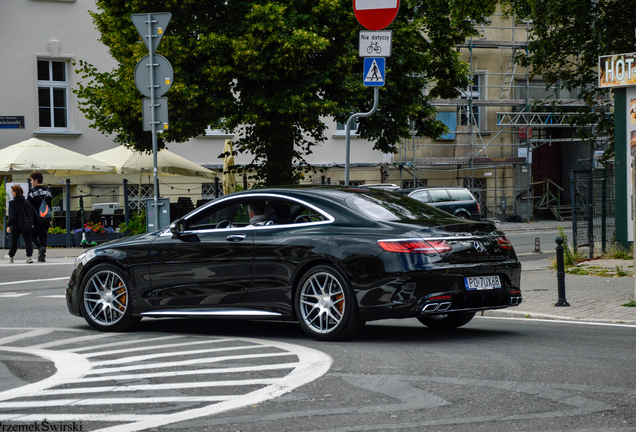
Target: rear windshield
<point>389,206</point>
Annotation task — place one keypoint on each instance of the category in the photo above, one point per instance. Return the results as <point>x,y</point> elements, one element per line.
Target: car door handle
<point>236,237</point>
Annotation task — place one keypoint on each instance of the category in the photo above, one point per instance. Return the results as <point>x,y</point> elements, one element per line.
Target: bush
<point>136,224</point>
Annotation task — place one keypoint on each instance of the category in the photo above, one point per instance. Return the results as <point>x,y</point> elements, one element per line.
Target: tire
<point>463,216</point>
<point>105,299</point>
<point>326,307</point>
<point>447,321</point>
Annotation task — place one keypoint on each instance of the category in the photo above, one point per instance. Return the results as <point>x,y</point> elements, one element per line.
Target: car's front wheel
<point>105,299</point>
<point>446,321</point>
<point>326,306</point>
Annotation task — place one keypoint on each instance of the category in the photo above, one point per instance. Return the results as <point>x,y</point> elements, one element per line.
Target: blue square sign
<point>373,72</point>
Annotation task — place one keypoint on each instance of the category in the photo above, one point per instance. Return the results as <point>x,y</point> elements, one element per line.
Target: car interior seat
<point>277,212</point>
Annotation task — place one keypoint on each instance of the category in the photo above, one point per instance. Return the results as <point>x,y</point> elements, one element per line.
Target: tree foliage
<point>567,38</point>
<point>273,71</point>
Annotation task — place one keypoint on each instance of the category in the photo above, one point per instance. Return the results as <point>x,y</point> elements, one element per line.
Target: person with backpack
<point>21,221</point>
<point>40,197</point>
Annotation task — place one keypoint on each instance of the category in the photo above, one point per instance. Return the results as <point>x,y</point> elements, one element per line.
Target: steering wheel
<point>304,218</point>
<point>220,224</point>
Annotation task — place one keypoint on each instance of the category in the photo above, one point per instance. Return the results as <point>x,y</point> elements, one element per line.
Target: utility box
<point>107,208</point>
<point>163,205</point>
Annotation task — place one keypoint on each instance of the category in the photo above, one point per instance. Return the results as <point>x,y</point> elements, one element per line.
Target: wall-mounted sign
<point>11,122</point>
<point>617,70</point>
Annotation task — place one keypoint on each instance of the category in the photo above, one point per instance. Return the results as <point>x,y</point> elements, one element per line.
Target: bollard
<point>560,274</point>
<point>537,245</point>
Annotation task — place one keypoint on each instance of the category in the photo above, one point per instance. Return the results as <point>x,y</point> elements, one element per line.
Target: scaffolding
<point>492,153</point>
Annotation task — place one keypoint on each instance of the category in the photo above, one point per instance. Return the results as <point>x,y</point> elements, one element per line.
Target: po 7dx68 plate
<point>482,282</point>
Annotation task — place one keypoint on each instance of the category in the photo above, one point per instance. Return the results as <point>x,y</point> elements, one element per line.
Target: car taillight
<point>415,246</point>
<point>478,208</point>
<point>504,243</point>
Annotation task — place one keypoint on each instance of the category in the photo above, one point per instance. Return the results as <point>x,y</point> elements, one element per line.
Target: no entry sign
<point>375,14</point>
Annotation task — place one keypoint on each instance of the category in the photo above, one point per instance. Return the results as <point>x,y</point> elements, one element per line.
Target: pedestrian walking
<point>40,197</point>
<point>21,222</point>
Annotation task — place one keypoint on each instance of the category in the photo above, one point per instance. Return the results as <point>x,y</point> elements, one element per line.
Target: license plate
<point>482,282</point>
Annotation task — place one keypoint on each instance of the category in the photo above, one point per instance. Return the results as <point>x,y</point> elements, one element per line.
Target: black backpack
<point>26,218</point>
<point>44,213</point>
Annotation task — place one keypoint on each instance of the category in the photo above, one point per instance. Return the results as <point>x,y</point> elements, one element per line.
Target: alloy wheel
<point>105,298</point>
<point>322,302</point>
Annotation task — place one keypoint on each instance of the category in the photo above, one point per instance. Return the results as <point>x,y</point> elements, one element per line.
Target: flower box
<point>98,238</point>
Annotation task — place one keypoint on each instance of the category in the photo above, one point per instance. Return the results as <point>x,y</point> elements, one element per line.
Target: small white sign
<point>375,43</point>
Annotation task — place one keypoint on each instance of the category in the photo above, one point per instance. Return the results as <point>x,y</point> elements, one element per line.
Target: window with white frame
<point>342,127</point>
<point>474,92</point>
<point>53,95</point>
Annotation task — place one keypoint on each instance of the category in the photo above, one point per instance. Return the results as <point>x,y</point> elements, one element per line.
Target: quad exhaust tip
<point>436,307</point>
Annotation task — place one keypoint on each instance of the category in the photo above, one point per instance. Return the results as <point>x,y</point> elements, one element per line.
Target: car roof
<point>409,190</point>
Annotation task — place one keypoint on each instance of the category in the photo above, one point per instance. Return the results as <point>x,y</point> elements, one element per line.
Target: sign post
<point>151,28</point>
<point>374,47</point>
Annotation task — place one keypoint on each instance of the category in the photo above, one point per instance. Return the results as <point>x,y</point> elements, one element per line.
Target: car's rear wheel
<point>105,299</point>
<point>326,306</point>
<point>446,321</point>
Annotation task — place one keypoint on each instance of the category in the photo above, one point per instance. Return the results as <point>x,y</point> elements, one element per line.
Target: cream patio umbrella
<point>127,161</point>
<point>229,178</point>
<point>37,155</point>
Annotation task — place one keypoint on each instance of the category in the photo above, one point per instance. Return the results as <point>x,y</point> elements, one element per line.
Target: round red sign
<point>375,14</point>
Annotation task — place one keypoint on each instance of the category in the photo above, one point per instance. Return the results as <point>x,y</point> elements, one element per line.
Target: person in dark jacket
<point>37,194</point>
<point>13,225</point>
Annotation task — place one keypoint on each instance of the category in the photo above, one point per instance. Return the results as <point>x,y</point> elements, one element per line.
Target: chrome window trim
<point>330,219</point>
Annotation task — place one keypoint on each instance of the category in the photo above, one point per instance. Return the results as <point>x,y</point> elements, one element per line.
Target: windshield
<point>388,206</point>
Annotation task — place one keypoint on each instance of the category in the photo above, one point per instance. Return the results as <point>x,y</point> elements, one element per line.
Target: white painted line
<point>189,372</point>
<point>142,358</point>
<point>54,296</point>
<point>187,362</point>
<point>156,347</point>
<point>89,338</point>
<point>113,401</point>
<point>154,387</point>
<point>69,368</point>
<point>35,280</point>
<point>312,365</point>
<point>20,336</point>
<point>563,321</point>
<point>7,295</point>
<point>120,343</point>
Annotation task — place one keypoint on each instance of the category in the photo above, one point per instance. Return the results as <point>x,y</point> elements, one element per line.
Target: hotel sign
<point>11,122</point>
<point>618,70</point>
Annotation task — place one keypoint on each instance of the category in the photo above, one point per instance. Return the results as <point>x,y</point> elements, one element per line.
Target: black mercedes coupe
<point>328,257</point>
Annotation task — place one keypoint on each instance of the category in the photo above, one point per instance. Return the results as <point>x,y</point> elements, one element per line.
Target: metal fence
<point>593,211</point>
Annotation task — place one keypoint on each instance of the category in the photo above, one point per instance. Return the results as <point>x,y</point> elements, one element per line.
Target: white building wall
<point>64,30</point>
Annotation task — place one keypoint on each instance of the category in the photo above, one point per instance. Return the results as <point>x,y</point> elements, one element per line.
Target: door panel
<point>208,268</point>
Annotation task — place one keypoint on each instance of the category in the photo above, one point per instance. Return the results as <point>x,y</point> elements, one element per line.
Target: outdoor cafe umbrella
<point>127,161</point>
<point>37,155</point>
<point>229,178</point>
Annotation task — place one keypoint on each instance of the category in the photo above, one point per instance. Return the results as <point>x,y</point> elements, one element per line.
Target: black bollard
<point>560,273</point>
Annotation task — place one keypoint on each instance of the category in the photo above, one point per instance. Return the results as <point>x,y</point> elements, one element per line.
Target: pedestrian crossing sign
<point>373,71</point>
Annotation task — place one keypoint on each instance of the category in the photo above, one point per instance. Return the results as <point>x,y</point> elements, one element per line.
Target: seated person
<point>256,210</point>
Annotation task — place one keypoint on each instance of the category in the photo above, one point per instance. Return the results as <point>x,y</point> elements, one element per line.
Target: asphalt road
<point>207,375</point>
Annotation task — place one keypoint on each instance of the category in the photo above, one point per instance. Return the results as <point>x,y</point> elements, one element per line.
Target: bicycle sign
<point>375,43</point>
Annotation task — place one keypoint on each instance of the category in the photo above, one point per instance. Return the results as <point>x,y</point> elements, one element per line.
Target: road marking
<point>261,375</point>
<point>14,294</point>
<point>34,280</point>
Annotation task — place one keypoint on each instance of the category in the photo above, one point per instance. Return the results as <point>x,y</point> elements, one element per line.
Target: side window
<point>233,213</point>
<point>421,196</point>
<point>460,195</point>
<point>439,195</point>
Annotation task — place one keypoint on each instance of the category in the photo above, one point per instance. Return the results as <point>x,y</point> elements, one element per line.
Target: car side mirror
<point>176,228</point>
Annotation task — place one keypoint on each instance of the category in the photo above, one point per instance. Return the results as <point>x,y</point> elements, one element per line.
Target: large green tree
<point>567,37</point>
<point>273,70</point>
